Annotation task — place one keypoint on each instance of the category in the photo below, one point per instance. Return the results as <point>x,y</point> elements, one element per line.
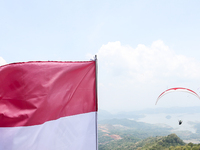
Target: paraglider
<point>174,90</point>
<point>177,89</point>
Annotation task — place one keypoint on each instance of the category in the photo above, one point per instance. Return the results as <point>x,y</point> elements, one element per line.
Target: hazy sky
<point>143,46</point>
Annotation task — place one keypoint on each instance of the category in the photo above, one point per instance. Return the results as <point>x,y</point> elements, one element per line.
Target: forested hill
<point>160,143</point>
<point>170,142</point>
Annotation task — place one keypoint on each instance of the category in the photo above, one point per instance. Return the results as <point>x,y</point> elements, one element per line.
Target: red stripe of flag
<point>32,93</point>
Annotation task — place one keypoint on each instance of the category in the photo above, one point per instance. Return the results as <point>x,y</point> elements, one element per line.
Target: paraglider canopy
<point>177,89</point>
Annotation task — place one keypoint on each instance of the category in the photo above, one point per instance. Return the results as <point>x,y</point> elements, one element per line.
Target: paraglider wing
<point>177,89</point>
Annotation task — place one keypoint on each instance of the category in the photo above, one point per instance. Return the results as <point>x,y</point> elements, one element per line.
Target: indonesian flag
<point>48,106</point>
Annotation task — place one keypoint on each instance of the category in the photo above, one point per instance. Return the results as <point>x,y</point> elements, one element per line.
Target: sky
<point>143,47</point>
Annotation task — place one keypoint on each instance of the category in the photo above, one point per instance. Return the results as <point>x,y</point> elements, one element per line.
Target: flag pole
<point>95,58</point>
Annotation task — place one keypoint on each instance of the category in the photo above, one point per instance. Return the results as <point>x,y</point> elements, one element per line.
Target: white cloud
<point>2,61</point>
<point>147,63</point>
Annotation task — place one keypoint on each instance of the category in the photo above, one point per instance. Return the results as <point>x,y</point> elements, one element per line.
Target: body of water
<point>171,120</point>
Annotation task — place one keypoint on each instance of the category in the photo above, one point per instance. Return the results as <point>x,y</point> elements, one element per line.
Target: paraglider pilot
<point>180,122</point>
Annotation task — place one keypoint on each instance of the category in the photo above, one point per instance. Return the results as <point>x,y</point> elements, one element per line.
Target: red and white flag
<point>48,106</point>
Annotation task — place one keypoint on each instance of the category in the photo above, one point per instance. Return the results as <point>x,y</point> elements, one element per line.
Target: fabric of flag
<point>48,106</point>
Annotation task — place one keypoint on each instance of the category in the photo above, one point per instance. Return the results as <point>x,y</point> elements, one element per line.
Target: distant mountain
<point>134,125</point>
<point>102,114</point>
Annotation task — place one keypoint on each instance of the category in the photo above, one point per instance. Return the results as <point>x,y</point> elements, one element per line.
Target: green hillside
<point>161,143</point>
<point>170,142</point>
